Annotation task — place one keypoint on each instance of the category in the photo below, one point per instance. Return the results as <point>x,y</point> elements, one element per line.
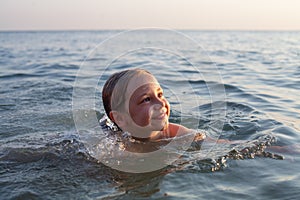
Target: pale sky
<point>131,14</point>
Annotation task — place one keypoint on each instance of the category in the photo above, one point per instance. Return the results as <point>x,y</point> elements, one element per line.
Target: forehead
<point>146,88</point>
<point>140,81</point>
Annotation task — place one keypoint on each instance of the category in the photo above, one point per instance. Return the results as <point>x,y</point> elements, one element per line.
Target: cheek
<point>139,115</point>
<point>167,105</point>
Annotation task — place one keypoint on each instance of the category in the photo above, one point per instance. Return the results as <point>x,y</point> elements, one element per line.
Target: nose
<point>159,103</point>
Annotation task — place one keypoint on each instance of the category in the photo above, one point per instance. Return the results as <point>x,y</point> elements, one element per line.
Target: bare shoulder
<point>177,130</point>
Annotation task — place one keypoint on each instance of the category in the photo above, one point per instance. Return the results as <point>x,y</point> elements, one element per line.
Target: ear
<point>118,118</point>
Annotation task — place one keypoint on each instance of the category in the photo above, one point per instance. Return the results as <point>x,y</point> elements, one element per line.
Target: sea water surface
<point>42,155</point>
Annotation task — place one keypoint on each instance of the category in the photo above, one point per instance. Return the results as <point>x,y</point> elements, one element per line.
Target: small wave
<point>239,107</point>
<point>223,154</point>
<point>6,54</point>
<point>232,88</point>
<point>58,66</point>
<point>233,109</point>
<point>121,66</point>
<point>189,72</point>
<point>18,75</point>
<point>220,52</point>
<point>196,82</point>
<point>55,151</point>
<point>64,163</point>
<point>7,106</point>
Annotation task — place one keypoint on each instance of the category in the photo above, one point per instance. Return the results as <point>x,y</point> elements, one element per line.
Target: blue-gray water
<point>43,157</point>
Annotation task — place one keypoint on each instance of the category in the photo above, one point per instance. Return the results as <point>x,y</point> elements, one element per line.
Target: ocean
<point>242,86</point>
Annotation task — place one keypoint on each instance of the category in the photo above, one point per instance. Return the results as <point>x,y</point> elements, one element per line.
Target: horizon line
<point>127,29</point>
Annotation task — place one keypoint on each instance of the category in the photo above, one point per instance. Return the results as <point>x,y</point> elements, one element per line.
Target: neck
<point>153,136</point>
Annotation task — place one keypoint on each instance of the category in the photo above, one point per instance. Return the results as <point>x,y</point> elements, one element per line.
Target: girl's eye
<point>160,94</point>
<point>147,99</point>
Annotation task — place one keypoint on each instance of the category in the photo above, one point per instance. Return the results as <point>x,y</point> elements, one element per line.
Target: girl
<point>135,102</point>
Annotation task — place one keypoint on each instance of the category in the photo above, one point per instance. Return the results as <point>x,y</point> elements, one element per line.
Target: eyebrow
<point>146,93</point>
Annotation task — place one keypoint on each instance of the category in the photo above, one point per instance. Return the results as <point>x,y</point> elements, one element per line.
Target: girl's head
<point>133,99</point>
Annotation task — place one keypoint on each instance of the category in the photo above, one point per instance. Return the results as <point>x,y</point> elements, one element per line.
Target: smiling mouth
<point>161,116</point>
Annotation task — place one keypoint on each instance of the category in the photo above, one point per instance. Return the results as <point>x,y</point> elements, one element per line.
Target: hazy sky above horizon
<point>130,14</point>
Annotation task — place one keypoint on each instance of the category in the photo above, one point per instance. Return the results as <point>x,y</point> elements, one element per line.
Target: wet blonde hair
<point>114,90</point>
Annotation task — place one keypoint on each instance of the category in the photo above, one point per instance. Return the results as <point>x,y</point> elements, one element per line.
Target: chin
<point>161,126</point>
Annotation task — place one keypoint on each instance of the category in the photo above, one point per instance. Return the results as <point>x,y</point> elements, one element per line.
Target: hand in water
<point>289,149</point>
<point>199,137</point>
